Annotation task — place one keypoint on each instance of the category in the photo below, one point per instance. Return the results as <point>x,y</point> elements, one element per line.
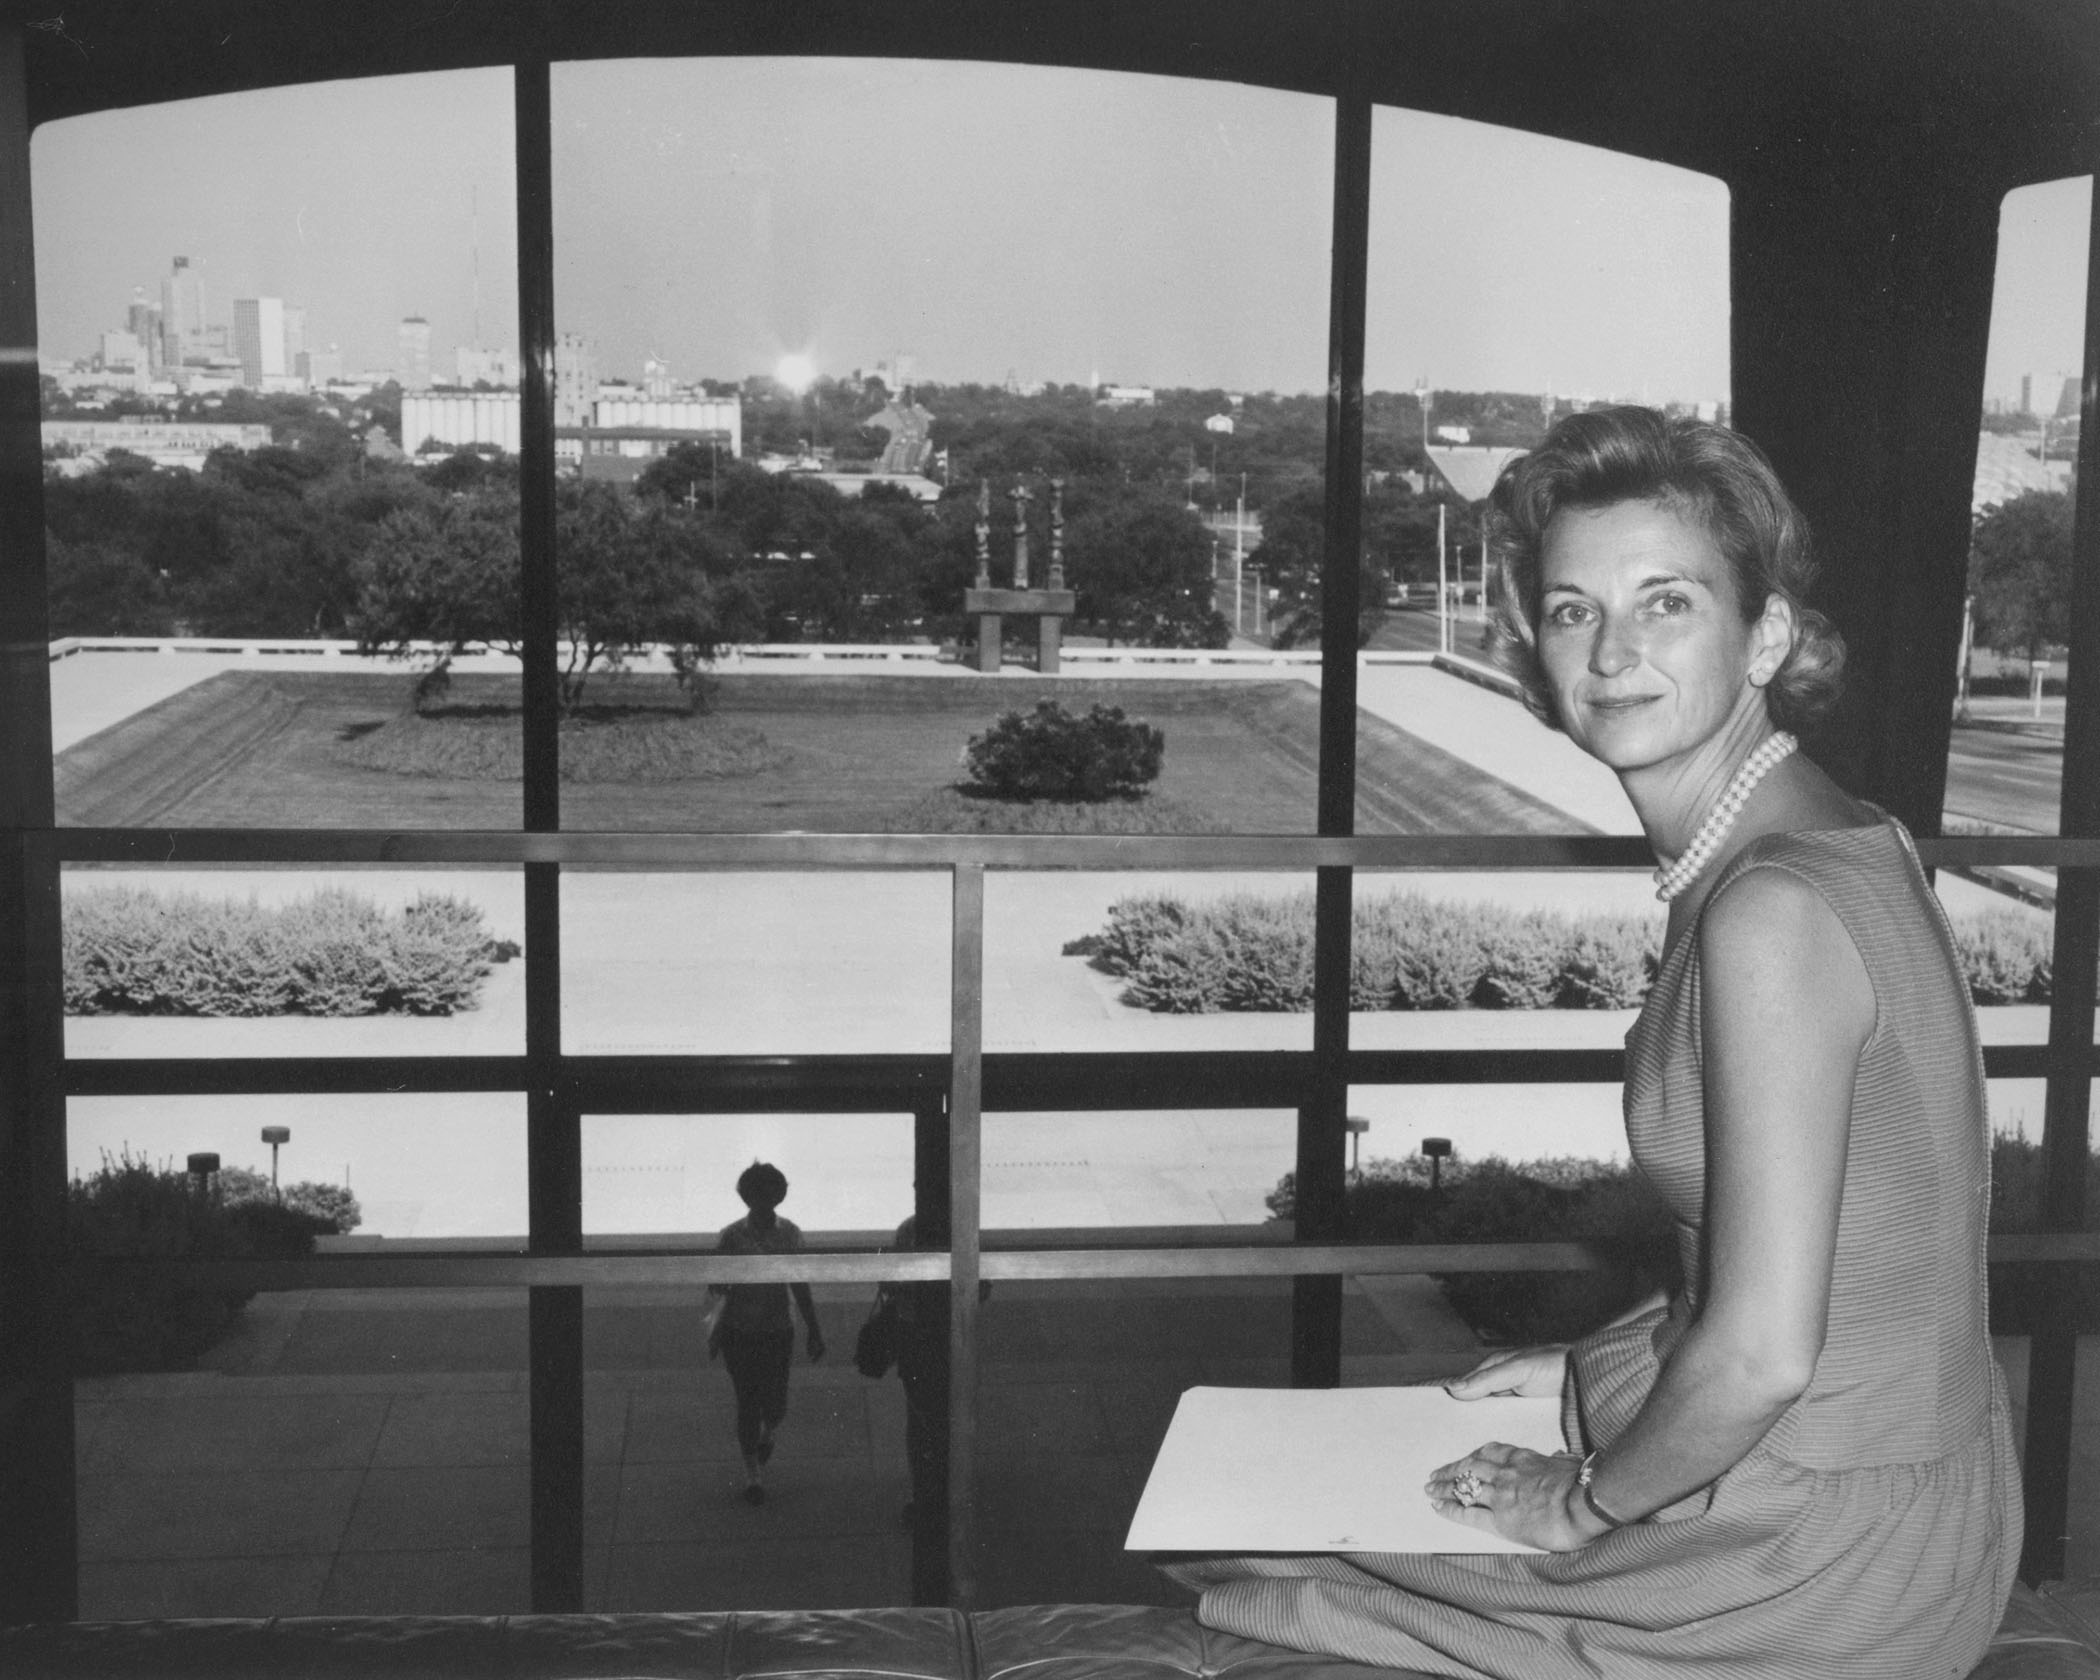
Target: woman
<point>750,1327</point>
<point>1799,1464</point>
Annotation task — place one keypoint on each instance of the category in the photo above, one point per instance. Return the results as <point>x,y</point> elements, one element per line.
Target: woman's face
<point>1641,635</point>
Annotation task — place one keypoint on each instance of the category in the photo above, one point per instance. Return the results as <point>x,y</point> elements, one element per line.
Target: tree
<point>438,582</point>
<point>1293,544</point>
<point>1141,566</point>
<point>2020,573</point>
<point>99,589</point>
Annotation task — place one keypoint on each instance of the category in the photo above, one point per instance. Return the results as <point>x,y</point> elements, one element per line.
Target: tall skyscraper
<point>412,367</point>
<point>258,339</point>
<point>142,321</point>
<point>181,313</point>
<point>575,379</point>
<point>294,339</point>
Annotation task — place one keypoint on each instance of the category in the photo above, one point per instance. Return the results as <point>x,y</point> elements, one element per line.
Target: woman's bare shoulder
<point>1771,937</point>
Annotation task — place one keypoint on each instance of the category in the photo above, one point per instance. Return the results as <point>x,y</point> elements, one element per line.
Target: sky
<point>977,220</point>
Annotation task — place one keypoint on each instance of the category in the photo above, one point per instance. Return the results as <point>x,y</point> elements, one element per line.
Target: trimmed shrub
<point>1248,952</point>
<point>2005,958</point>
<point>1611,962</point>
<point>1563,1199</point>
<point>1051,754</point>
<point>333,1206</point>
<point>154,1317</point>
<point>131,951</point>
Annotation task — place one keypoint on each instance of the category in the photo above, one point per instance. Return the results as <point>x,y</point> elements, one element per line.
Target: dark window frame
<point>949,1093</point>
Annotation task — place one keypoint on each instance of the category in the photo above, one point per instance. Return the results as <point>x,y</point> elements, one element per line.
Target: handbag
<point>875,1348</point>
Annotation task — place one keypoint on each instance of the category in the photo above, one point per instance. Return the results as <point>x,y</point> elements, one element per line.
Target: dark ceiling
<point>1792,91</point>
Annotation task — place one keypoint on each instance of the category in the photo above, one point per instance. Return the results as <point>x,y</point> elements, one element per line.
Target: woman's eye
<point>1669,604</point>
<point>1567,614</point>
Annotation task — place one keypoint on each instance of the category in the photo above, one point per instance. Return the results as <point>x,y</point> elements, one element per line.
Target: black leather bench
<point>2040,1639</point>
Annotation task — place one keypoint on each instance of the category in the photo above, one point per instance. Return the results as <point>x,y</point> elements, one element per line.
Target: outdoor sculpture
<point>1049,606</point>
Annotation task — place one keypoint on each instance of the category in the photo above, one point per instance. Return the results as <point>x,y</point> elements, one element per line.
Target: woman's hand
<point>1534,1372</point>
<point>1518,1494</point>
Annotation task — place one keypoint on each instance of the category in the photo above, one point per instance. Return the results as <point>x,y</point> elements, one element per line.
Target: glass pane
<point>1079,1383</point>
<point>298,1452</point>
<point>244,322</point>
<point>1595,277</point>
<point>830,1464</point>
<point>833,453</point>
<point>338,1453</point>
<point>409,1168</point>
<point>722,963</point>
<point>671,1178</point>
<point>1147,961</point>
<point>293,962</point>
<point>2005,756</point>
<point>1196,1167</point>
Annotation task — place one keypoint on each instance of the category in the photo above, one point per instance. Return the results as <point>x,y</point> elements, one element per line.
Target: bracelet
<point>1583,1475</point>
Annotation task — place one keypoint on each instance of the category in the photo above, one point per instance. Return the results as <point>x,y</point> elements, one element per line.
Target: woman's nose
<point>1613,650</point>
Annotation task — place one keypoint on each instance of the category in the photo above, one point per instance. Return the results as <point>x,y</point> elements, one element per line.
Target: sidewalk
<point>366,1451</point>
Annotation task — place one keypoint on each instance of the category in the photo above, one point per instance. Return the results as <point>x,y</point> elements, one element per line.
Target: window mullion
<point>2067,1114</point>
<point>1317,1301</point>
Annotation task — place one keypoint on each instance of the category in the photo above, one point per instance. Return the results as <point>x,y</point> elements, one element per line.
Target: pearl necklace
<point>1720,818</point>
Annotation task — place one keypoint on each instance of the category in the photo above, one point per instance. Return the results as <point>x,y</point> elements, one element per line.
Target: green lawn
<point>843,754</point>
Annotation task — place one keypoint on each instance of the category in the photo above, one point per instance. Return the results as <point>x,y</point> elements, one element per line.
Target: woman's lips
<point>1618,702</point>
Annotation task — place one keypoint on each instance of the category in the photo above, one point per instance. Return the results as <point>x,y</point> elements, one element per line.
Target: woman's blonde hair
<point>1708,475</point>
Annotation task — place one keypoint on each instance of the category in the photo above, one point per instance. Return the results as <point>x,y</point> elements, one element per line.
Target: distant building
<point>1125,396</point>
<point>120,352</point>
<point>166,443</point>
<point>412,364</point>
<point>476,366</point>
<point>575,380</point>
<point>459,418</point>
<point>142,321</point>
<point>181,314</point>
<point>621,437</point>
<point>316,368</point>
<point>259,341</point>
<point>627,432</point>
<point>1455,434</point>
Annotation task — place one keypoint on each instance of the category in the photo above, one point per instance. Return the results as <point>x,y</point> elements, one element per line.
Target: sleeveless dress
<point>1875,1530</point>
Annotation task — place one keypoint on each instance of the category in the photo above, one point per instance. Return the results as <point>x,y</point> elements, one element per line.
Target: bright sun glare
<point>796,372</point>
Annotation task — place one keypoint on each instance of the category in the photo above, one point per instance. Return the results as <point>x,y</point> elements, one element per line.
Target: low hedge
<point>1250,951</point>
<point>152,1317</point>
<point>1610,1206</point>
<point>132,951</point>
<point>1564,1199</point>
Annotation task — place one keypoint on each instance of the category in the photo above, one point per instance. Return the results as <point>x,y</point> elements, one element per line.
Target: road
<point>2006,777</point>
<point>1413,630</point>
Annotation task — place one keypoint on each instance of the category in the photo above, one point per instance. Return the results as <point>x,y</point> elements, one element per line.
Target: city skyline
<point>721,214</point>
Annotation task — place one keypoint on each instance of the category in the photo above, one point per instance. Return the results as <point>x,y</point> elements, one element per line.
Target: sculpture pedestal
<point>991,607</point>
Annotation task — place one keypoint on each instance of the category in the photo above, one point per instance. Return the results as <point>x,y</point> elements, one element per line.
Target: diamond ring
<point>1468,1488</point>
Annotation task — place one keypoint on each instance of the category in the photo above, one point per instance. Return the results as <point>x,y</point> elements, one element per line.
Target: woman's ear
<point>1772,639</point>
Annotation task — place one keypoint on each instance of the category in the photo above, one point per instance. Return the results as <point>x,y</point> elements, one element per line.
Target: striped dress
<point>1874,1530</point>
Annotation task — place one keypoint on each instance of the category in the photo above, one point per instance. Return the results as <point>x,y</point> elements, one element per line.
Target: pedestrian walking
<point>750,1326</point>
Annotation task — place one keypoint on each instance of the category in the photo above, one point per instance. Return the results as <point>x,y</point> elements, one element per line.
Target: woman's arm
<point>806,1304</point>
<point>1787,1007</point>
